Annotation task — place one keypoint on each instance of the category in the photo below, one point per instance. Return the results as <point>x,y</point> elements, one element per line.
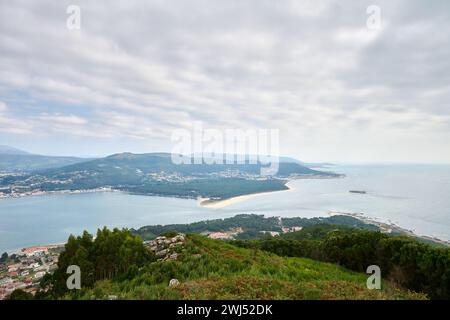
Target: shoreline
<point>222,203</point>
<point>49,245</point>
<point>41,193</point>
<point>385,227</point>
<point>56,192</point>
<point>390,227</point>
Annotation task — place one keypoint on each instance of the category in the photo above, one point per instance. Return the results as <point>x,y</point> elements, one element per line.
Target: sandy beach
<point>390,227</point>
<point>217,204</point>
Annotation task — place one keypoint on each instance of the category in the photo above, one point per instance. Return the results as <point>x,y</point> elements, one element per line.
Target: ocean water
<point>416,197</point>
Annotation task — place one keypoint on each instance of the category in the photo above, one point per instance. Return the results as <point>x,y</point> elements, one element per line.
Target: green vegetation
<point>244,221</point>
<point>20,294</point>
<point>218,188</point>
<point>213,269</point>
<point>403,260</point>
<point>111,254</point>
<point>342,220</point>
<point>150,174</point>
<point>162,162</point>
<point>321,261</point>
<point>251,224</point>
<point>32,162</point>
<point>314,232</point>
<point>4,257</point>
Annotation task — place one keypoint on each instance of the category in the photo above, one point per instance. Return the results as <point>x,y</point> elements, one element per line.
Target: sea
<point>414,197</point>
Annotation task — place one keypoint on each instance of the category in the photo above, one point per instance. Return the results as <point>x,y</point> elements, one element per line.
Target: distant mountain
<point>10,150</point>
<point>319,165</point>
<point>14,160</point>
<point>156,174</point>
<point>130,163</point>
<point>292,160</point>
<point>247,157</point>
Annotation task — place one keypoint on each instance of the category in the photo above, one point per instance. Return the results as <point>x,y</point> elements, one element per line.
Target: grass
<point>213,269</point>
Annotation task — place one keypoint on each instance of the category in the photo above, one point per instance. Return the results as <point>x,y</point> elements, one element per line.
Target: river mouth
<point>415,200</point>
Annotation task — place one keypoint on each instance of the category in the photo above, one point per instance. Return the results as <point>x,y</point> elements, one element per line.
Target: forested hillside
<point>204,269</point>
<point>403,260</point>
<point>326,259</point>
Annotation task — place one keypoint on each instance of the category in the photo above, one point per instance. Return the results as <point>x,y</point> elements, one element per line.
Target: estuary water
<point>415,197</point>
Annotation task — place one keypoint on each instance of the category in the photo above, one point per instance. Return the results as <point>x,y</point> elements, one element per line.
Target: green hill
<point>213,269</point>
<point>162,162</point>
<point>11,150</point>
<point>254,226</point>
<point>152,174</point>
<point>16,160</point>
<point>33,162</point>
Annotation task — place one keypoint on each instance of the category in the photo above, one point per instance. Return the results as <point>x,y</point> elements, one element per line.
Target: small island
<point>358,191</point>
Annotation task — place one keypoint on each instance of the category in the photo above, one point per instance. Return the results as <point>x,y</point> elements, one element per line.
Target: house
<point>14,267</point>
<point>219,235</point>
<point>37,251</point>
<point>272,233</point>
<point>39,274</point>
<point>5,281</point>
<point>291,229</point>
<point>44,267</point>
<point>25,273</point>
<point>34,265</point>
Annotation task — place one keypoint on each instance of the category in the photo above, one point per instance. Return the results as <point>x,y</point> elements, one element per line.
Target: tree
<point>404,260</point>
<point>4,257</point>
<point>19,294</point>
<point>112,254</point>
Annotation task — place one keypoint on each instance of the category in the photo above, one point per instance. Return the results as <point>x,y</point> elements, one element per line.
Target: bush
<point>19,294</point>
<point>406,261</point>
<point>113,254</point>
<point>169,234</point>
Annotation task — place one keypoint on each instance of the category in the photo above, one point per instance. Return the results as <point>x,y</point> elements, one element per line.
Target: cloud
<point>3,107</point>
<point>11,124</point>
<point>139,69</point>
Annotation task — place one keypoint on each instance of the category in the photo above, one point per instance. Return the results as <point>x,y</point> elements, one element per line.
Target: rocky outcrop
<point>166,248</point>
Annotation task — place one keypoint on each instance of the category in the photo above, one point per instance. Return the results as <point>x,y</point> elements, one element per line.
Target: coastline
<point>56,192</point>
<point>222,203</point>
<point>390,228</point>
<point>48,245</point>
<point>385,227</point>
<point>206,201</point>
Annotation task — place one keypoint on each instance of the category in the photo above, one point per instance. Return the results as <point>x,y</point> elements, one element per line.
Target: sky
<point>337,86</point>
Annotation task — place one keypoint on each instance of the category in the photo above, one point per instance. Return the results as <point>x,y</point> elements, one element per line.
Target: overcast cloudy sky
<point>137,70</point>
